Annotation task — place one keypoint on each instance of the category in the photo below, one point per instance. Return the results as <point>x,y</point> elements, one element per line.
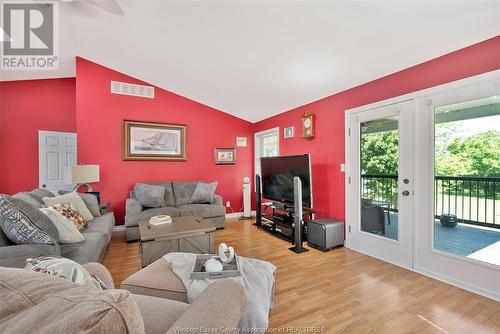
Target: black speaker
<point>258,203</point>
<point>297,199</point>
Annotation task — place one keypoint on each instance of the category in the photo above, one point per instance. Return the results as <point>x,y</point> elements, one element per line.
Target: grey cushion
<point>159,314</point>
<point>4,240</point>
<point>202,210</point>
<point>150,195</point>
<point>204,193</point>
<point>169,192</point>
<point>97,236</point>
<point>40,193</point>
<point>25,196</point>
<point>91,203</point>
<point>134,219</point>
<point>183,191</point>
<point>24,224</point>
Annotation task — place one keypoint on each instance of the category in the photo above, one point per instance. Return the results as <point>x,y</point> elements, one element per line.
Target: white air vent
<point>124,88</point>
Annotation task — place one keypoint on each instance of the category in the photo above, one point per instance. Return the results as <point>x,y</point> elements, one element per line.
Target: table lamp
<point>82,175</point>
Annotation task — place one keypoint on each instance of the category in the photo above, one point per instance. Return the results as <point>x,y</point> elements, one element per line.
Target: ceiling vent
<point>124,88</point>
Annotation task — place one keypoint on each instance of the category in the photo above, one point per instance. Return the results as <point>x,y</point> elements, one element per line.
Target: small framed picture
<point>225,156</point>
<point>288,132</point>
<point>241,141</point>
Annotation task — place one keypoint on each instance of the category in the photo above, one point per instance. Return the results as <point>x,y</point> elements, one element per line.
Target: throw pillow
<point>149,195</point>
<point>65,268</point>
<point>69,213</point>
<point>73,199</point>
<point>25,196</point>
<point>19,227</point>
<point>204,193</point>
<point>40,193</point>
<point>68,232</point>
<point>90,201</point>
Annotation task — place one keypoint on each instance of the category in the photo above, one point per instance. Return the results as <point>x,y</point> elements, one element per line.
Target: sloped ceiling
<point>256,59</point>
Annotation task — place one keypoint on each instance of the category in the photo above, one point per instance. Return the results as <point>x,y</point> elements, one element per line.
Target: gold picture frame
<point>154,141</point>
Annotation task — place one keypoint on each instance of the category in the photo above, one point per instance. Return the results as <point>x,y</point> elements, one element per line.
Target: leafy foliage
<point>379,153</point>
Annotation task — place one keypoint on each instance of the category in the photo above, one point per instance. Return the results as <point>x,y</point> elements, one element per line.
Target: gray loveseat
<point>97,236</point>
<point>177,204</point>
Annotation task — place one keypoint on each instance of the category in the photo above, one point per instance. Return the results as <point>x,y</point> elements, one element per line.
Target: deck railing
<point>474,200</point>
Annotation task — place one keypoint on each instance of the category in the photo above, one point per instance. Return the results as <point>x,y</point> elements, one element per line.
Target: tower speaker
<point>297,200</point>
<point>258,204</point>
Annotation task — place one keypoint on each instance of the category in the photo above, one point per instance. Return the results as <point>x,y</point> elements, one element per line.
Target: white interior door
<point>56,151</point>
<point>380,183</point>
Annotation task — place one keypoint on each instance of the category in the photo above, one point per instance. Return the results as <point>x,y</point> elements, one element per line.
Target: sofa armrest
<point>219,307</point>
<point>101,272</point>
<point>132,206</point>
<point>16,255</point>
<point>217,199</point>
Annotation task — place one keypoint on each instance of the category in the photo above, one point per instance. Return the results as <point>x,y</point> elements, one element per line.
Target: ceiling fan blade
<point>111,6</point>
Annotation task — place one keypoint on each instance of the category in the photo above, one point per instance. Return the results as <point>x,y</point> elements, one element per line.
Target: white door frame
<point>400,251</point>
<point>482,270</point>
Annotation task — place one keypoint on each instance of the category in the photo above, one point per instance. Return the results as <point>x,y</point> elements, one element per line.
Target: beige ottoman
<point>157,280</point>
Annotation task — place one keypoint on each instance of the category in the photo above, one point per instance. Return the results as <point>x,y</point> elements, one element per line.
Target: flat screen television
<point>277,175</point>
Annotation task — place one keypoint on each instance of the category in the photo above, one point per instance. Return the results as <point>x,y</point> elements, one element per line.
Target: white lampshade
<point>84,174</point>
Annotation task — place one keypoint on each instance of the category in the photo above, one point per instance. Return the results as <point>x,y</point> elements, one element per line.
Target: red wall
<point>99,116</point>
<point>327,148</point>
<point>26,107</point>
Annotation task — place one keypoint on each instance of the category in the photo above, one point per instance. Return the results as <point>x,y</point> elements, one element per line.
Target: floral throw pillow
<point>65,268</point>
<point>68,211</point>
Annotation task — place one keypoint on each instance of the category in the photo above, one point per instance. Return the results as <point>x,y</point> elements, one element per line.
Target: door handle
<point>405,193</point>
<point>44,185</point>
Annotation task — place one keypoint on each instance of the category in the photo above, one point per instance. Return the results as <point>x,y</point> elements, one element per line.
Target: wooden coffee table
<point>188,234</point>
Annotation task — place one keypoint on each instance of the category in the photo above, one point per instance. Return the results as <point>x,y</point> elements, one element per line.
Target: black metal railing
<point>474,200</point>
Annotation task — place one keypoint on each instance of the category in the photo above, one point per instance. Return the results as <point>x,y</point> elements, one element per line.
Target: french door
<point>380,183</point>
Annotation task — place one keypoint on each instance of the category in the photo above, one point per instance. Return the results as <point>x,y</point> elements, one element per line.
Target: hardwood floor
<point>342,291</point>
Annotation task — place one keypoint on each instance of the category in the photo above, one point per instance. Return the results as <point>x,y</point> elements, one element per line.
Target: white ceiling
<point>256,59</point>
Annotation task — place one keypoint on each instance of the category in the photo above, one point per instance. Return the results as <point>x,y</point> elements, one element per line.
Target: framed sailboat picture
<point>153,141</point>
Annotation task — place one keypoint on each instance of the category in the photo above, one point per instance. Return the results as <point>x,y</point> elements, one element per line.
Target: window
<point>266,145</point>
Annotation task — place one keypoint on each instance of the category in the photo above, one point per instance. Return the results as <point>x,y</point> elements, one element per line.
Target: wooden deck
<point>342,291</point>
<point>460,240</point>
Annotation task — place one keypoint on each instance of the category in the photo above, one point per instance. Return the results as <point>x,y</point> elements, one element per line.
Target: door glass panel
<point>379,177</point>
<point>467,179</point>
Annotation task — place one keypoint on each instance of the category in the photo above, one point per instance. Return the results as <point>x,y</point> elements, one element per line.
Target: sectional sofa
<point>97,236</point>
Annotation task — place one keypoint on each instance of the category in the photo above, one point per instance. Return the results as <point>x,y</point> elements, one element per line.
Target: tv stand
<point>278,219</point>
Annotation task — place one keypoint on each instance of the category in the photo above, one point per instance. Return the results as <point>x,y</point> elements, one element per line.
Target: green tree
<point>477,155</point>
<point>379,153</point>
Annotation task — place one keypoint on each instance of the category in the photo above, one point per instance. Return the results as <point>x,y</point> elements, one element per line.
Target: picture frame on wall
<point>154,141</point>
<point>241,141</point>
<point>225,156</point>
<point>288,132</point>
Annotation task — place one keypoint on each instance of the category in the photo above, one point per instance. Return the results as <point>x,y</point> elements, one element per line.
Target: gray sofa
<point>97,236</point>
<point>177,204</point>
<point>40,303</point>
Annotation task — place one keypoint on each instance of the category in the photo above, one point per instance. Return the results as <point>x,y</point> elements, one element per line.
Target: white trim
<point>239,214</point>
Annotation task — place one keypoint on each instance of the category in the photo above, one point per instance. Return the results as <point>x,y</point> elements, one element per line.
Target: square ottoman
<point>157,280</point>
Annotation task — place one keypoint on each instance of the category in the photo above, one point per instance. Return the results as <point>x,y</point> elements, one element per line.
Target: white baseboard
<point>239,214</point>
<point>119,228</point>
<point>459,284</point>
